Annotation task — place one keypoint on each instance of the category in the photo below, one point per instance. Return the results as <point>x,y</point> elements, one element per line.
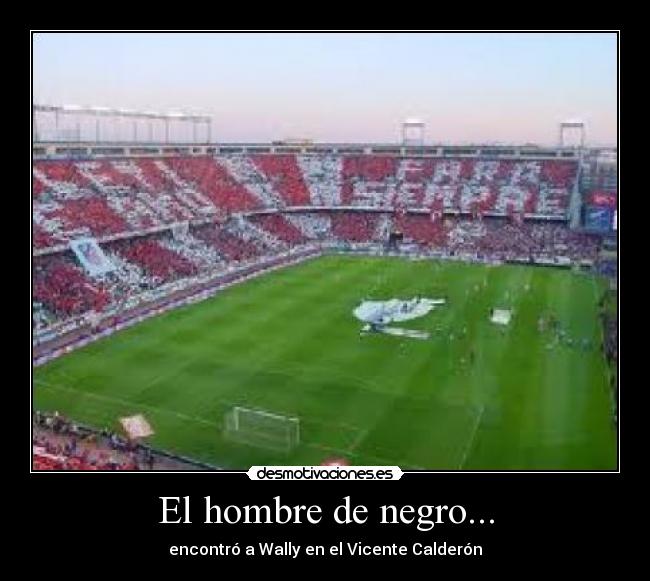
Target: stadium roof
<point>114,112</point>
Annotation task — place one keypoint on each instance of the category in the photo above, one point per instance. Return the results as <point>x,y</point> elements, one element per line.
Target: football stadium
<point>199,305</point>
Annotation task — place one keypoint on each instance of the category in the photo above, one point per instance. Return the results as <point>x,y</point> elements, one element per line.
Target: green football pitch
<point>475,396</point>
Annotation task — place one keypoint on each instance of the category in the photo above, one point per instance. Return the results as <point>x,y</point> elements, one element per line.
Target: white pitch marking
<point>360,436</point>
<point>470,441</point>
<point>125,402</point>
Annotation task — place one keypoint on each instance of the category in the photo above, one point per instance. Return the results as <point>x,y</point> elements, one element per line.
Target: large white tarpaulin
<point>384,312</point>
<point>378,314</point>
<point>91,256</point>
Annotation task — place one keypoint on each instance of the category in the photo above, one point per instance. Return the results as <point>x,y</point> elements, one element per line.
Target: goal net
<point>262,429</point>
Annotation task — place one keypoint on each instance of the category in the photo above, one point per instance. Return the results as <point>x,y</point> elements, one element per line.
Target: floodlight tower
<point>572,125</point>
<point>413,131</point>
<point>117,116</point>
<point>575,202</point>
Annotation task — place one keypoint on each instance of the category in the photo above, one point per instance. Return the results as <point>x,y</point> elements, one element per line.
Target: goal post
<point>262,429</point>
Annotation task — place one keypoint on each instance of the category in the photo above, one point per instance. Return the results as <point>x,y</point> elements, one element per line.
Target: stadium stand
<point>155,177</point>
<point>61,176</point>
<point>155,259</point>
<point>283,173</point>
<point>60,444</point>
<point>354,226</point>
<point>113,197</point>
<point>421,229</point>
<point>68,218</point>
<point>227,244</point>
<point>322,175</point>
<point>63,289</point>
<point>211,179</point>
<point>279,226</point>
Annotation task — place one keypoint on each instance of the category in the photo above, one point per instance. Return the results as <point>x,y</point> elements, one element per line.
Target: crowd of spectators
<point>284,174</point>
<point>110,197</point>
<point>355,226</point>
<point>61,286</point>
<point>59,444</point>
<point>232,247</point>
<point>156,260</point>
<point>504,239</point>
<point>279,226</point>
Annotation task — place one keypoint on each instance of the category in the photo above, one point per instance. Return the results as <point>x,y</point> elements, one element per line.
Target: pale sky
<point>344,87</point>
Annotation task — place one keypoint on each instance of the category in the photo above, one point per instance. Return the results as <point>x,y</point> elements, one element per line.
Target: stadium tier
<point>101,198</point>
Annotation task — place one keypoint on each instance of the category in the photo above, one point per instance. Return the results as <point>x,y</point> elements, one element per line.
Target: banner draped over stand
<point>91,256</point>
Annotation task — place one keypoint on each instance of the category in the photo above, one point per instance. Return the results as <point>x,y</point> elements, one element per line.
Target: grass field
<point>287,343</point>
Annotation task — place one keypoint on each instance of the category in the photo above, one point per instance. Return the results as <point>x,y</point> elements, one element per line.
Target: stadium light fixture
<point>116,113</point>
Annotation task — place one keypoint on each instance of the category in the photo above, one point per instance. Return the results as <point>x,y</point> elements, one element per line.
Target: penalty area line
<point>126,402</point>
<point>357,440</point>
<point>472,437</point>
